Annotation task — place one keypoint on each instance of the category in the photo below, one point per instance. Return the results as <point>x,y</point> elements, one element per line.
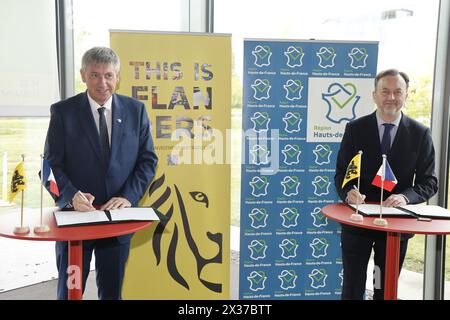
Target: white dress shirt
<point>108,113</point>
<point>381,128</point>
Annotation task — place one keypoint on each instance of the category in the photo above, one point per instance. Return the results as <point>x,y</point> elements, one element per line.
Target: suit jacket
<point>411,158</point>
<point>73,150</point>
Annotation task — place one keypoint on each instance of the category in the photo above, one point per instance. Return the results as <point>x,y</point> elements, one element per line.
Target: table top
<point>31,218</point>
<point>341,213</point>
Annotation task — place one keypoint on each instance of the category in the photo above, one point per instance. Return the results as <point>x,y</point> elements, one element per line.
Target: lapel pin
<point>119,120</point>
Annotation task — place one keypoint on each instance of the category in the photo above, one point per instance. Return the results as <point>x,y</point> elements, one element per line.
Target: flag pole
<point>380,221</point>
<point>42,228</point>
<point>357,216</point>
<point>22,229</point>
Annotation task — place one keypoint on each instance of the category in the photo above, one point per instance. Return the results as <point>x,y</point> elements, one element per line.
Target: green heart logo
<point>342,105</point>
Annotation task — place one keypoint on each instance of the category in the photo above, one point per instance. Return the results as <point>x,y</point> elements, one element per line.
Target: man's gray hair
<point>102,55</point>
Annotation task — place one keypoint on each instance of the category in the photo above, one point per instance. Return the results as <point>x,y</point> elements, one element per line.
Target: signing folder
<point>414,210</point>
<point>374,210</point>
<point>430,211</point>
<point>77,218</point>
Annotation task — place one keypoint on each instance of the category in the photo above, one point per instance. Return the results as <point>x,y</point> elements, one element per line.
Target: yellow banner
<point>185,82</point>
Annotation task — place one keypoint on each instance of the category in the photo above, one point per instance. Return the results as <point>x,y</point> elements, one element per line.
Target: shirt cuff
<point>406,198</point>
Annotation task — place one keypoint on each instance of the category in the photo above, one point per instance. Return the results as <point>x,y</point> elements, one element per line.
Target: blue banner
<point>297,98</point>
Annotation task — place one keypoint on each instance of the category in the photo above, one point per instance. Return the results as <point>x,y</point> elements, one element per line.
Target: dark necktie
<point>386,140</point>
<point>103,129</point>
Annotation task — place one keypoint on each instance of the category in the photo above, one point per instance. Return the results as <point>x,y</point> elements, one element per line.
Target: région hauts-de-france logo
<point>358,57</point>
<point>293,89</point>
<point>291,153</point>
<point>294,56</point>
<point>322,154</point>
<point>289,217</point>
<point>318,278</point>
<point>261,88</point>
<point>326,57</point>
<point>258,217</point>
<point>262,55</point>
<point>288,278</point>
<point>292,122</point>
<point>260,121</point>
<point>257,280</point>
<point>321,185</point>
<point>319,247</point>
<point>342,101</point>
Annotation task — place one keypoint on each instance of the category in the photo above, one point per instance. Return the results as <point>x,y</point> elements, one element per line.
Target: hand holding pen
<point>355,197</point>
<point>83,201</point>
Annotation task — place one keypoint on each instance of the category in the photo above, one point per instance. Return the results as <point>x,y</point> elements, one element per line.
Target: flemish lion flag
<point>353,169</point>
<point>18,181</point>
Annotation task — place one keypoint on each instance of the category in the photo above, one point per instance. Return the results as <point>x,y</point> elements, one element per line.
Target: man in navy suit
<point>410,154</point>
<point>100,148</point>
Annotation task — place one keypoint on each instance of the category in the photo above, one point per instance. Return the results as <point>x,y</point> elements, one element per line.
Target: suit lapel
<point>117,124</point>
<point>373,133</point>
<point>87,123</point>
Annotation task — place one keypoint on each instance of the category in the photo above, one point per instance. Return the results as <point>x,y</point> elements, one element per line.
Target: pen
<point>83,196</point>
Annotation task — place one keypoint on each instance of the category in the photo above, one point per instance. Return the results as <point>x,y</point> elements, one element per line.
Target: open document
<point>412,210</point>
<point>374,210</point>
<point>429,211</point>
<point>77,218</point>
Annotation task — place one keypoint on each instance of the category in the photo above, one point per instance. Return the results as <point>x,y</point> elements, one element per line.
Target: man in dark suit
<point>100,148</point>
<point>410,153</point>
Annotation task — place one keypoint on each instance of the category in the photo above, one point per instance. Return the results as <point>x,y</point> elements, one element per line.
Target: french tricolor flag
<point>49,177</point>
<point>390,180</point>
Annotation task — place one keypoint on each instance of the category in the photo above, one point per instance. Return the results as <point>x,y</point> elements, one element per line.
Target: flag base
<point>356,217</point>
<point>41,229</point>
<point>380,222</point>
<point>20,230</point>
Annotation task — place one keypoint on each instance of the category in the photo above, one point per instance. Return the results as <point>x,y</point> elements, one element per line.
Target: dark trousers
<point>356,250</point>
<point>110,258</point>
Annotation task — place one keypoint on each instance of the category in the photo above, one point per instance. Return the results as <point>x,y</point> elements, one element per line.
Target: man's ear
<point>373,95</point>
<point>82,76</point>
<point>118,82</point>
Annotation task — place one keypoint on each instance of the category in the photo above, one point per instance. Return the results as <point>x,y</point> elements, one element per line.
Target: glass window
<point>28,64</point>
<point>28,72</point>
<point>28,86</point>
<point>28,69</point>
<point>93,19</point>
<point>24,136</point>
<point>402,27</point>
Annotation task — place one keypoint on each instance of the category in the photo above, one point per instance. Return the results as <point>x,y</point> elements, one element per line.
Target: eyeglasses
<point>387,93</point>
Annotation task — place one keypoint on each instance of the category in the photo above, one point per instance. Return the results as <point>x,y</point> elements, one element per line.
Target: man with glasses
<point>410,153</point>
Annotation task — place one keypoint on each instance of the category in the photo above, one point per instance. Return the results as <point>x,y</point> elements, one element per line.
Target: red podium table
<point>341,213</point>
<point>74,235</point>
